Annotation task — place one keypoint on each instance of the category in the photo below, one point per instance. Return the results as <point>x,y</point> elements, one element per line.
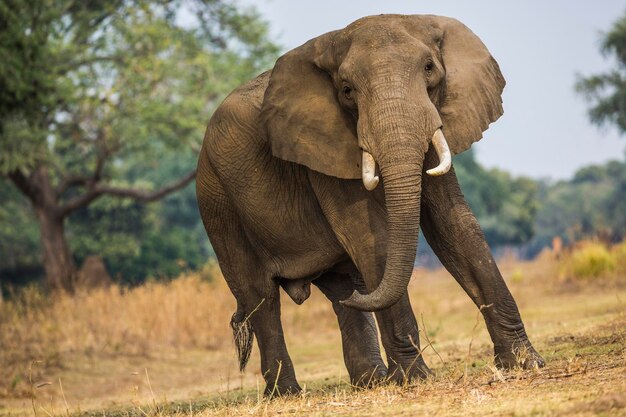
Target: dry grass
<point>619,256</point>
<point>165,349</point>
<point>592,259</point>
<point>109,322</point>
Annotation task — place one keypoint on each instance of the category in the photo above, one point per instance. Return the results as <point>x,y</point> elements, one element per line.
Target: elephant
<point>323,170</point>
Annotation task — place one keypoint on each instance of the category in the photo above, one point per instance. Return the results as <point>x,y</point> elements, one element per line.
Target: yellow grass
<point>166,349</point>
<point>592,259</point>
<point>619,255</point>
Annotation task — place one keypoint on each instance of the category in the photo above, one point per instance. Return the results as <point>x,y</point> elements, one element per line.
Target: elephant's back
<point>253,90</point>
<point>231,139</point>
<point>244,102</point>
<point>237,117</point>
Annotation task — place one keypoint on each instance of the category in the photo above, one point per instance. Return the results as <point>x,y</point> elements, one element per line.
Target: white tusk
<point>369,169</point>
<point>443,151</point>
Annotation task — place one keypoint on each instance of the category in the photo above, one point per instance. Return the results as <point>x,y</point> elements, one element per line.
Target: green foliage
<point>42,43</point>
<point>529,213</point>
<point>117,92</point>
<point>505,206</point>
<point>19,236</point>
<point>607,92</point>
<point>81,78</point>
<point>122,90</point>
<point>592,204</point>
<point>138,241</point>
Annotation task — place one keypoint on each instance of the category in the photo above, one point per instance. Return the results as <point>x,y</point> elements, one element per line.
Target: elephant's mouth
<point>370,179</point>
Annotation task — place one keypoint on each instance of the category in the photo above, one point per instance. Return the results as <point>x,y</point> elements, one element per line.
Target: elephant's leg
<point>358,219</point>
<point>400,337</point>
<point>276,365</point>
<point>361,351</point>
<point>258,302</point>
<point>254,288</point>
<point>456,238</point>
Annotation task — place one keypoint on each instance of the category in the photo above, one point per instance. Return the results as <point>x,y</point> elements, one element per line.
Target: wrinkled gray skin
<point>281,198</point>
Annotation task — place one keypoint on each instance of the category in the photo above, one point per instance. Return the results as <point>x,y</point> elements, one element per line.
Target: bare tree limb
<point>72,181</point>
<point>25,185</point>
<point>82,180</point>
<point>80,201</point>
<point>97,190</point>
<point>103,152</point>
<point>148,196</point>
<point>21,181</point>
<point>37,187</point>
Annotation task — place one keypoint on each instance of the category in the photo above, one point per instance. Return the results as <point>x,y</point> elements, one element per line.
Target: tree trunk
<point>61,272</point>
<point>57,257</point>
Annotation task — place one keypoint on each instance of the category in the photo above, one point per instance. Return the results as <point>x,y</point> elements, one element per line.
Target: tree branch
<point>81,201</point>
<point>25,185</point>
<point>102,155</point>
<point>72,181</point>
<point>72,65</point>
<point>97,190</point>
<point>36,186</point>
<point>147,196</point>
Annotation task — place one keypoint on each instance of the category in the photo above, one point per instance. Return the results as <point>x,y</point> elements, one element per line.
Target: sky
<point>541,47</point>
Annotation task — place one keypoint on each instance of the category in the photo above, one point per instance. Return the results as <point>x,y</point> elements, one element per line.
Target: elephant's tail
<point>243,336</point>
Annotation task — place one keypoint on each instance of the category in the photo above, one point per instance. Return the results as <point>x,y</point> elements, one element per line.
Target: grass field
<point>164,349</point>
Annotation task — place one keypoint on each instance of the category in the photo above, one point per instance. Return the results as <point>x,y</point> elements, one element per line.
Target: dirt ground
<point>578,326</point>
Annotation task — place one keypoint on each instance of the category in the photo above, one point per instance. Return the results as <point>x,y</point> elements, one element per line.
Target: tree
<point>591,205</point>
<point>92,91</point>
<point>505,206</point>
<point>19,236</point>
<point>607,96</point>
<point>607,92</point>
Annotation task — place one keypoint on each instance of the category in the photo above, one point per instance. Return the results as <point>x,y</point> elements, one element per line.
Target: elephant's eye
<point>429,67</point>
<point>347,92</point>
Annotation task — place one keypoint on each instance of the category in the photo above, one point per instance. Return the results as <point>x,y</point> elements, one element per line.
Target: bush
<point>619,256</point>
<point>588,260</point>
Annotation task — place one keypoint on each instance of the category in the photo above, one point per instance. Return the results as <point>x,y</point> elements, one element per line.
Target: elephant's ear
<point>305,123</point>
<point>472,98</point>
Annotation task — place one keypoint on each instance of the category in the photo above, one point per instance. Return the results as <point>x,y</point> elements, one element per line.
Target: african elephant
<point>288,190</point>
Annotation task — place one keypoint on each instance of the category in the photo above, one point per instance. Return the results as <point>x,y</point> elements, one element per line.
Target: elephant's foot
<point>417,369</point>
<point>281,389</point>
<point>368,377</point>
<point>520,355</point>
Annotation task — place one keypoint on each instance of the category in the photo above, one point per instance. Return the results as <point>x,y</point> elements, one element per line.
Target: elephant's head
<point>380,92</point>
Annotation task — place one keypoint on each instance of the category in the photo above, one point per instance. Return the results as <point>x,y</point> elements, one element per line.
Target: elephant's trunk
<point>402,196</point>
<point>370,180</point>
<point>400,160</point>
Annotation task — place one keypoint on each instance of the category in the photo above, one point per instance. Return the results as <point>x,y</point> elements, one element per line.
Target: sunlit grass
<point>592,260</point>
<point>166,349</point>
<point>619,255</point>
<point>187,313</point>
